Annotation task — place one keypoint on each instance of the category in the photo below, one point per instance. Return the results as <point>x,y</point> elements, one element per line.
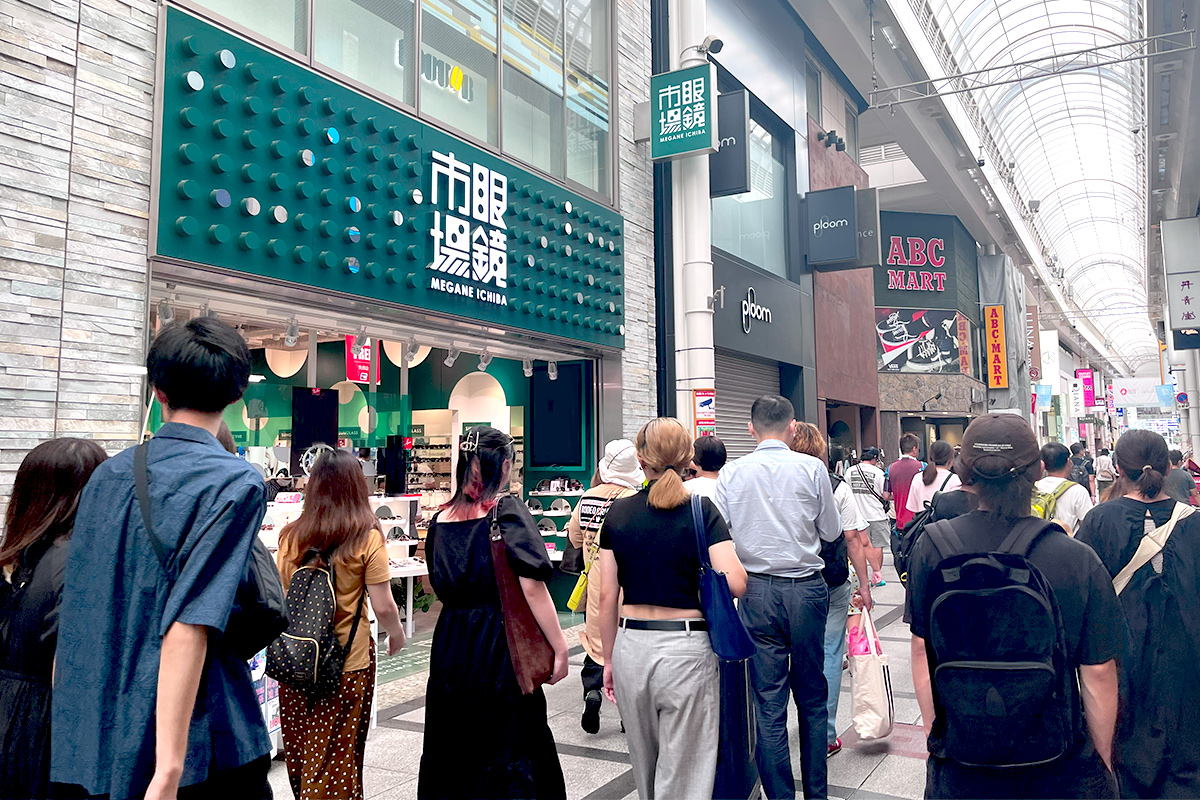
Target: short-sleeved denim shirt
<point>118,603</point>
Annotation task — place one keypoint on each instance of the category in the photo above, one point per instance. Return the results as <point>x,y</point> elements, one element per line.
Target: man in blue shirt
<point>147,697</point>
<point>780,507</point>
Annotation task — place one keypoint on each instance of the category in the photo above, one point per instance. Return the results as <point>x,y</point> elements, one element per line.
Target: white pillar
<point>693,268</point>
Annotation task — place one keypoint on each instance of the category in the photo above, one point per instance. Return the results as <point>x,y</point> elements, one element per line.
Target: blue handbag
<point>728,635</point>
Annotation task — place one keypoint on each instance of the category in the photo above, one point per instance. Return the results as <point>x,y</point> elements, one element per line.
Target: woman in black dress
<point>33,555</point>
<point>483,737</point>
<point>1157,748</point>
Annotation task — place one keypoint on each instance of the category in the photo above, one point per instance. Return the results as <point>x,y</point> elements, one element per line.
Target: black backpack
<point>835,554</point>
<point>1079,472</point>
<point>906,538</point>
<point>998,652</point>
<point>308,655</point>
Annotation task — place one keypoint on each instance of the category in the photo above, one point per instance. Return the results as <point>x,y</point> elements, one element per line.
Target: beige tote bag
<point>871,688</point>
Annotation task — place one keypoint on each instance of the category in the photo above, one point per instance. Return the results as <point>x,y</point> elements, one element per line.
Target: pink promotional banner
<point>1088,378</point>
<point>358,367</point>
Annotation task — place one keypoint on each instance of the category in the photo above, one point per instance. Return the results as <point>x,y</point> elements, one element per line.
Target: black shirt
<point>30,635</point>
<point>1095,632</point>
<point>954,503</point>
<point>658,561</point>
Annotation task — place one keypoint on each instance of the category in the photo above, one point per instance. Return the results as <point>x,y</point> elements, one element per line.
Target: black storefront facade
<point>928,328</point>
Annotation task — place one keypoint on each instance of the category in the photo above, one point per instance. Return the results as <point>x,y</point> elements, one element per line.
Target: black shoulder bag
<point>259,609</point>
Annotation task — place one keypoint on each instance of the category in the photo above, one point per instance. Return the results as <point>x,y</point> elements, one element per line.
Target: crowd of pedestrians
<point>1048,596</point>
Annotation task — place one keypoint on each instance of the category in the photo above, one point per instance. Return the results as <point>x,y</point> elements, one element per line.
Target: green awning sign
<point>683,112</point>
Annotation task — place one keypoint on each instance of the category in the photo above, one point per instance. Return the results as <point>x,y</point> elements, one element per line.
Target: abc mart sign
<point>832,226</point>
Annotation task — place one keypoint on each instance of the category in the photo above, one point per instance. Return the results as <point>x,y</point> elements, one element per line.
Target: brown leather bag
<point>530,651</point>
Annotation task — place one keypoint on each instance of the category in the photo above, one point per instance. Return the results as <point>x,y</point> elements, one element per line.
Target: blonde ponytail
<point>664,445</point>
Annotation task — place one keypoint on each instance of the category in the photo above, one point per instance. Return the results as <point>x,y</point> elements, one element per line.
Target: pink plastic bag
<point>856,638</point>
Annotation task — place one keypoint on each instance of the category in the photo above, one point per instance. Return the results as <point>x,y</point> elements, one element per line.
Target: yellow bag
<point>580,591</point>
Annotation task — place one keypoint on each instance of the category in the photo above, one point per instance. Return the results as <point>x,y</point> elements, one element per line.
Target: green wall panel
<point>270,169</point>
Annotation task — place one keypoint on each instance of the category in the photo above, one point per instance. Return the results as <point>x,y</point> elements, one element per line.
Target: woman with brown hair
<point>33,557</point>
<point>483,737</point>
<point>324,739</point>
<point>659,666</point>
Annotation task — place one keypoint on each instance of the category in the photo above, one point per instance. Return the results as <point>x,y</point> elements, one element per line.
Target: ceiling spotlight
<point>166,314</point>
<point>830,138</point>
<point>205,311</point>
<point>552,370</point>
<point>1034,206</point>
<point>841,145</point>
<point>360,341</point>
<point>292,334</point>
<point>485,358</point>
<point>527,367</point>
<point>411,347</point>
<point>452,357</point>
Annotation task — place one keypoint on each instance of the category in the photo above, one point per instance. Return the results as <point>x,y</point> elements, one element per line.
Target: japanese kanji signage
<point>683,112</point>
<point>997,354</point>
<point>358,364</point>
<point>1181,257</point>
<point>470,237</point>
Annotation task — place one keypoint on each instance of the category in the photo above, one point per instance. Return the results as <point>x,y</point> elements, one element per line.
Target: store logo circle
<point>825,223</point>
<point>752,311</point>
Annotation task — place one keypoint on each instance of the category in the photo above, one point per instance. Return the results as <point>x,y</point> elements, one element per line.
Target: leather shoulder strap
<point>141,483</point>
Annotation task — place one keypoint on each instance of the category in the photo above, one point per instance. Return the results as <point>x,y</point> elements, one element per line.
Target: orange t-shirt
<point>371,560</point>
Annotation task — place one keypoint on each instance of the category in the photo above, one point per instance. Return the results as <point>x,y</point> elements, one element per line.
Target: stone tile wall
<point>76,104</point>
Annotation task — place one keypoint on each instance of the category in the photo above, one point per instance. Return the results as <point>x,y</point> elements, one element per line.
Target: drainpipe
<point>695,361</point>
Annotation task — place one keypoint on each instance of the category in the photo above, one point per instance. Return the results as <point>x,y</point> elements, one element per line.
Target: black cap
<point>996,445</point>
<point>871,453</point>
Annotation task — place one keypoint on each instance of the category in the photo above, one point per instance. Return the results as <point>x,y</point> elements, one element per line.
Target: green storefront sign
<point>683,112</point>
<point>269,169</point>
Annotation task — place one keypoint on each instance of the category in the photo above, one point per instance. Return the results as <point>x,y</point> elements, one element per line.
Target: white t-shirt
<point>865,479</point>
<point>919,494</point>
<point>1074,504</point>
<point>1104,469</point>
<point>705,487</point>
<point>848,508</point>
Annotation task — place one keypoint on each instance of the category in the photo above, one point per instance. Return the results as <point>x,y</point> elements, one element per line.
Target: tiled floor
<point>597,767</point>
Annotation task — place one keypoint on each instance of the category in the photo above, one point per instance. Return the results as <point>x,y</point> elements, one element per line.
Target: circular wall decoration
<point>309,458</point>
<point>285,363</point>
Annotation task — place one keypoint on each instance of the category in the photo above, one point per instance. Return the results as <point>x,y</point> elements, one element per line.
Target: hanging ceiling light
<point>166,314</point>
<point>292,335</point>
<point>485,358</point>
<point>552,370</point>
<point>452,357</point>
<point>527,367</point>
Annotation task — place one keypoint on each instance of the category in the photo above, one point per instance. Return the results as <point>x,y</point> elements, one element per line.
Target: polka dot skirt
<point>324,740</point>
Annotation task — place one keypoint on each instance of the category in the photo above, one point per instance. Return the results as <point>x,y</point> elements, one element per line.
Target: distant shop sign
<point>683,118</point>
<point>832,226</point>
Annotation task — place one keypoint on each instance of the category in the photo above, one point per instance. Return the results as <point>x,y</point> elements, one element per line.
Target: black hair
<point>870,453</point>
<point>837,454</point>
<point>909,442</point>
<point>1010,495</point>
<point>1176,457</point>
<point>1055,456</point>
<point>202,365</point>
<point>482,455</point>
<point>1143,458</point>
<point>771,413</point>
<point>1077,448</point>
<point>1103,451</point>
<point>940,455</point>
<point>710,454</point>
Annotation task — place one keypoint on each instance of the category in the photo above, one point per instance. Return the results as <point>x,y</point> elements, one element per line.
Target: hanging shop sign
<point>1135,392</point>
<point>1180,244</point>
<point>683,118</point>
<point>358,361</point>
<point>926,341</point>
<point>997,353</point>
<point>964,345</point>
<point>756,313</point>
<point>1050,360</point>
<point>1077,408</point>
<point>271,170</point>
<point>832,226</point>
<point>1044,396</point>
<point>729,167</point>
<point>869,252</point>
<point>929,261</point>
<point>1033,343</point>
<point>1087,377</point>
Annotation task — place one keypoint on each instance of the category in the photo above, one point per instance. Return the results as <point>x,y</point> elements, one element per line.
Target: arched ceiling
<point>1073,141</point>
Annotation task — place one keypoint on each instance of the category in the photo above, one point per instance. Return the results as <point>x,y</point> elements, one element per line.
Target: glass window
<point>285,21</point>
<point>753,225</point>
<point>533,83</point>
<point>851,132</point>
<point>812,84</point>
<point>370,41</point>
<point>458,66</point>
<point>588,25</point>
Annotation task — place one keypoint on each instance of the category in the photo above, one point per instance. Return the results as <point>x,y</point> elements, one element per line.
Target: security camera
<point>712,44</point>
<point>980,161</point>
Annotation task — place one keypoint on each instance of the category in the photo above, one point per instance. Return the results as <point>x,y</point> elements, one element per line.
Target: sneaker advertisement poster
<point>916,340</point>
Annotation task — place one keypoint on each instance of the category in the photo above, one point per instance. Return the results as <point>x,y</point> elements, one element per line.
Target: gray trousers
<point>668,693</point>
